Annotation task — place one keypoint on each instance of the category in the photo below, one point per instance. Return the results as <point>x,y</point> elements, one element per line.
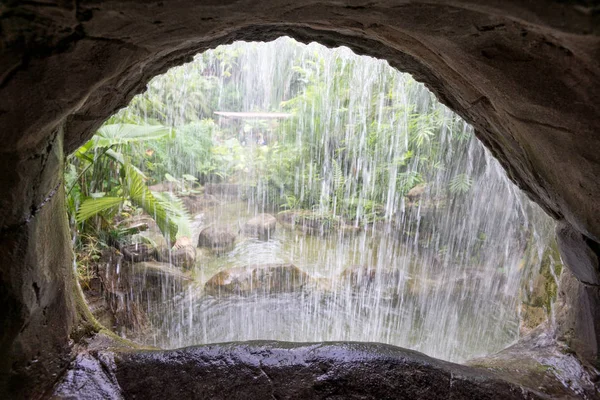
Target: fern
<point>338,177</point>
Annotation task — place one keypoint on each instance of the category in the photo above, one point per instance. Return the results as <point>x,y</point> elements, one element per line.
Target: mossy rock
<point>257,279</point>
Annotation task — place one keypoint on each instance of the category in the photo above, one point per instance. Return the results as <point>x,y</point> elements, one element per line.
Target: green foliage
<point>94,206</point>
<point>142,197</point>
<point>326,158</point>
<point>177,212</point>
<point>460,184</point>
<point>118,134</point>
<point>135,191</point>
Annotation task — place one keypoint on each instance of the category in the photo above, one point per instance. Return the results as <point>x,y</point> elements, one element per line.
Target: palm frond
<point>179,214</point>
<point>94,206</point>
<point>142,197</point>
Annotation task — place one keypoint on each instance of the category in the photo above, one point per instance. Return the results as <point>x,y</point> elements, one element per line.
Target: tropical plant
<point>134,191</point>
<point>101,181</point>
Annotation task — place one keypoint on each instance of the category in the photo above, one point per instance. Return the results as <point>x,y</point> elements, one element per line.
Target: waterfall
<point>394,223</point>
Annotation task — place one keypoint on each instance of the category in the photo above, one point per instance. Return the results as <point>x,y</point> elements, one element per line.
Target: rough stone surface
<point>257,279</point>
<point>525,74</point>
<point>537,361</point>
<point>581,254</point>
<point>138,252</point>
<point>577,314</point>
<point>309,222</point>
<point>126,288</point>
<point>279,370</point>
<point>90,377</point>
<point>37,313</point>
<point>262,225</point>
<point>283,370</point>
<point>415,193</point>
<point>217,239</point>
<point>181,256</point>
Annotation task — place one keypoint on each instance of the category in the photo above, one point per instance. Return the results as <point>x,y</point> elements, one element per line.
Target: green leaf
<point>91,207</point>
<point>171,178</point>
<point>190,178</point>
<point>142,197</point>
<point>177,210</point>
<point>110,135</point>
<point>115,156</point>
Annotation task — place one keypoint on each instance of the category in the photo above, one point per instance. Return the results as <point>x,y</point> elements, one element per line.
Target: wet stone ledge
<point>280,370</point>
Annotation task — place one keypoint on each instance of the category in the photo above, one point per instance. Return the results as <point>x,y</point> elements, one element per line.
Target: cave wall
<point>525,74</point>
<point>37,312</point>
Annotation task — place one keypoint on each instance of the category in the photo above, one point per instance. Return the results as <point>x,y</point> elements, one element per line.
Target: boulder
<point>146,277</point>
<point>263,226</point>
<point>126,290</point>
<point>359,275</point>
<point>282,370</point>
<point>183,256</point>
<point>257,279</point>
<point>362,276</point>
<point>218,239</point>
<point>152,274</point>
<point>416,192</point>
<point>138,252</point>
<point>144,225</point>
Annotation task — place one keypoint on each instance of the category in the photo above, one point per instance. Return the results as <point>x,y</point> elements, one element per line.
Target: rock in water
<point>138,252</point>
<point>263,226</point>
<point>218,239</point>
<point>183,255</point>
<point>257,279</point>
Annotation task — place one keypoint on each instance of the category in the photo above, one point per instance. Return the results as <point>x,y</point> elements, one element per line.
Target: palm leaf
<point>142,197</point>
<point>91,206</point>
<point>177,210</point>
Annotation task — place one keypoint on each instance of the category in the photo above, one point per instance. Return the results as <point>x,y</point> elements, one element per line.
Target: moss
<point>551,263</point>
<point>545,286</point>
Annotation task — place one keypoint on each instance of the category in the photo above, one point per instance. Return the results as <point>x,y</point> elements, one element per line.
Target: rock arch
<point>526,75</point>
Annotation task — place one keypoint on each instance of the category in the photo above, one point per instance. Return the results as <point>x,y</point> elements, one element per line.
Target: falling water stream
<point>404,228</point>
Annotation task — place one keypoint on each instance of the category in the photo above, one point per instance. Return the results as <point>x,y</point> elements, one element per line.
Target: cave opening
<point>281,191</point>
<point>524,75</point>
